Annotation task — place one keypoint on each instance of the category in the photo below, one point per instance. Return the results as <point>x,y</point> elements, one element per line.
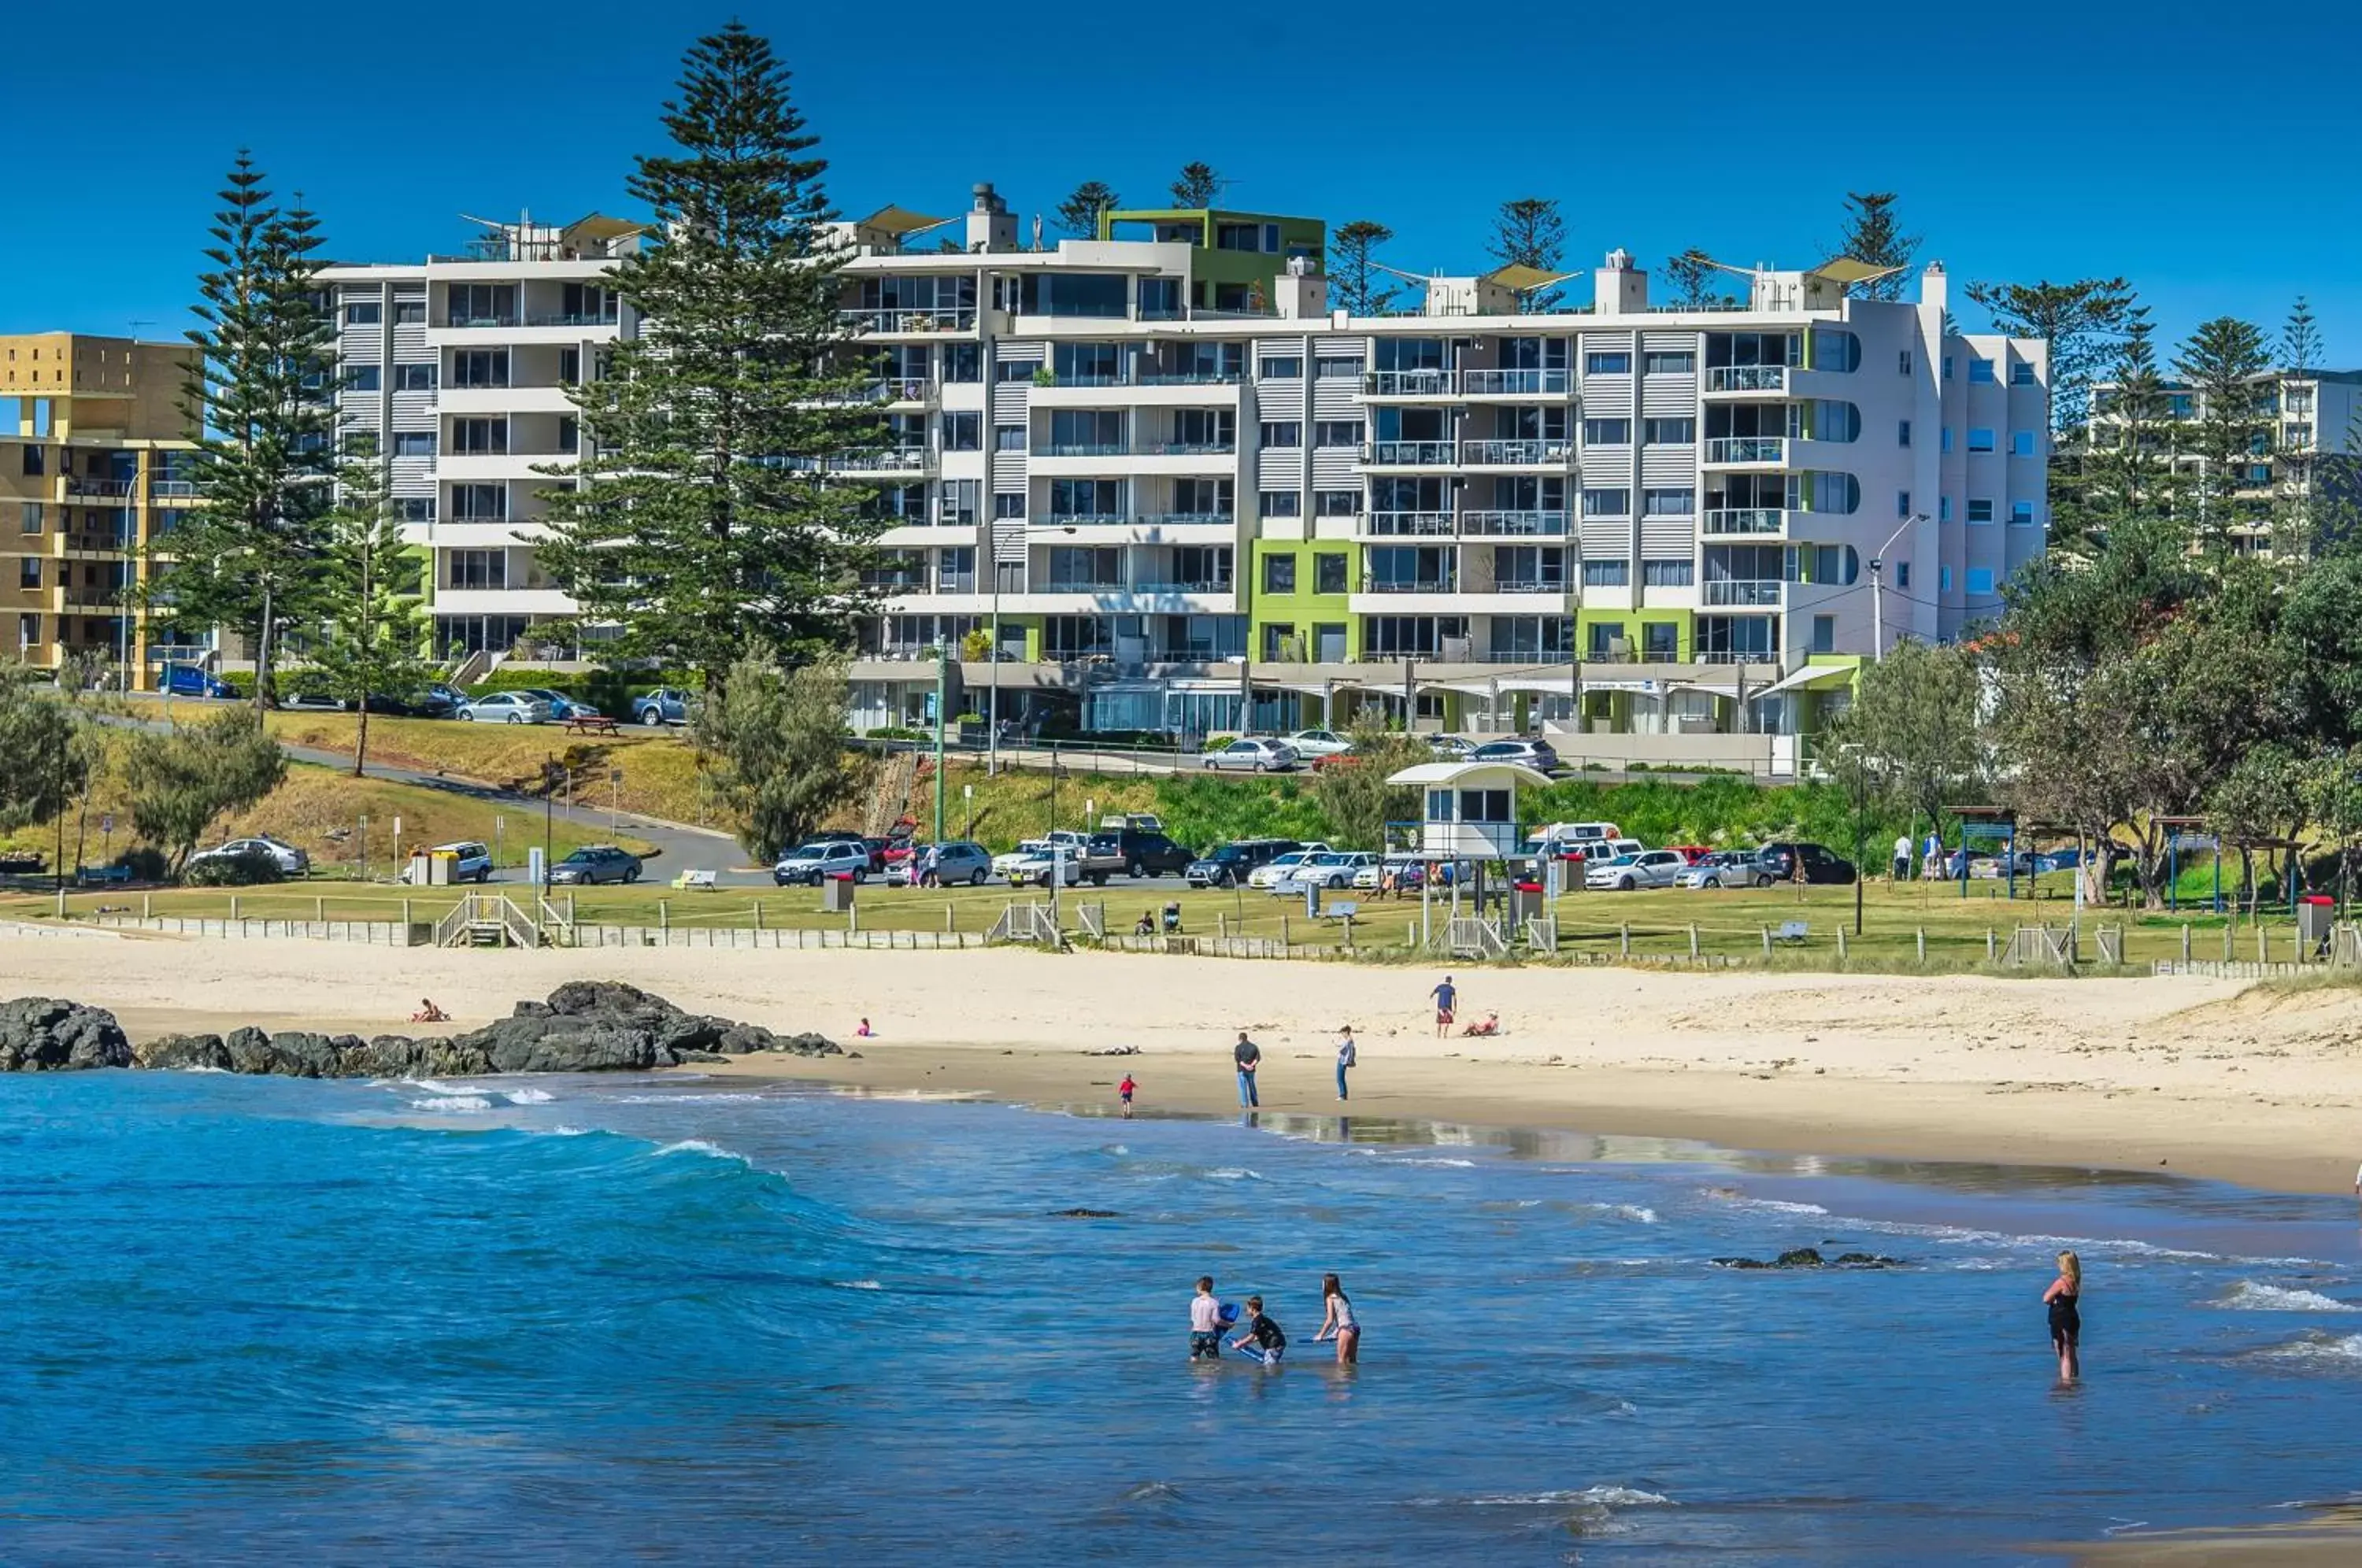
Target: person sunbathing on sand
<point>1491,1026</point>
<point>429,1013</point>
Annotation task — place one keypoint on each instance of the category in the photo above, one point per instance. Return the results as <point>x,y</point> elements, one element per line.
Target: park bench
<point>1345,910</point>
<point>1793,932</point>
<point>99,875</point>
<point>592,724</point>
<point>700,881</point>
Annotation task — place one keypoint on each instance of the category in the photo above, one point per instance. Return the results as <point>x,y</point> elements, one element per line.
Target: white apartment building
<point>2309,448</point>
<point>454,371</point>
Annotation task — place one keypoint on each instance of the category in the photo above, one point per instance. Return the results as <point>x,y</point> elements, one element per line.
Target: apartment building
<point>94,465</point>
<point>2309,449</point>
<point>454,375</point>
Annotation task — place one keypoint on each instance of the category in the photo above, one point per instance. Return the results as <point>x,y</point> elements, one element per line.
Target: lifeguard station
<point>1470,817</point>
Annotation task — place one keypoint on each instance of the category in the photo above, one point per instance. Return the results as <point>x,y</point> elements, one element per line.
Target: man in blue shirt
<point>1249,1056</point>
<point>1447,997</point>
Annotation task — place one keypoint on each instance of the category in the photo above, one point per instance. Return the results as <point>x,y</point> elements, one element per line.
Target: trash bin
<point>2315,913</point>
<point>835,894</point>
<point>1312,900</point>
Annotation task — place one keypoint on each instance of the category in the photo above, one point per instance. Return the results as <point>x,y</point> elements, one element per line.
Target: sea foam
<point>2249,1296</point>
<point>452,1102</point>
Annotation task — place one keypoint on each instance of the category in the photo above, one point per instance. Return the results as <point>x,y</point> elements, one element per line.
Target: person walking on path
<point>1446,996</point>
<point>1903,857</point>
<point>1931,858</point>
<point>2066,1320</point>
<point>1248,1055</point>
<point>1338,1322</point>
<point>1347,1056</point>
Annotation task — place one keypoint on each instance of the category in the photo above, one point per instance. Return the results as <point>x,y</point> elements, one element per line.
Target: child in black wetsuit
<point>1264,1334</point>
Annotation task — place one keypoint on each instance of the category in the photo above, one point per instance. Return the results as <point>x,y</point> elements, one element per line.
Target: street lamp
<point>1877,582</point>
<point>1861,809</point>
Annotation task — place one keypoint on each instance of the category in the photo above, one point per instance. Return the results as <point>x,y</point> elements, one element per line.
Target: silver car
<point>1647,869</point>
<point>1254,755</point>
<point>507,708</point>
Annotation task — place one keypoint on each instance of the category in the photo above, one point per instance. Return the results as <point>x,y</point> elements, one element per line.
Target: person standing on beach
<point>1249,1056</point>
<point>1903,857</point>
<point>1446,996</point>
<point>2066,1321</point>
<point>1338,1322</point>
<point>1347,1056</point>
<point>1123,1092</point>
<point>1205,1322</point>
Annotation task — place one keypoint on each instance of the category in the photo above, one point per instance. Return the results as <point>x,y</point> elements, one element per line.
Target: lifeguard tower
<point>1470,815</point>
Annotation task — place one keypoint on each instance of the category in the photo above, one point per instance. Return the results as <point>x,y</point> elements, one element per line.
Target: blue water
<point>693,1321</point>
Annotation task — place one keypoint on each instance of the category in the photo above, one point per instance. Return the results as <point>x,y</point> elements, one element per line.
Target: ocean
<point>684,1320</point>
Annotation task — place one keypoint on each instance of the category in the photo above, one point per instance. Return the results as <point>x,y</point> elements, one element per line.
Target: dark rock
<point>186,1052</point>
<point>1800,1257</point>
<point>561,1044</point>
<point>1810,1257</point>
<point>1866,1260</point>
<point>701,1056</point>
<point>807,1044</point>
<point>1084,1214</point>
<point>41,1034</point>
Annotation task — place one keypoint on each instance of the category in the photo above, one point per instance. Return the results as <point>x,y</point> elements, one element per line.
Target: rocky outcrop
<point>1810,1257</point>
<point>585,1026</point>
<point>43,1035</point>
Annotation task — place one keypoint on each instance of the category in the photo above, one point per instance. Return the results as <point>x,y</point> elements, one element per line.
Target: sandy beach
<point>2200,1076</point>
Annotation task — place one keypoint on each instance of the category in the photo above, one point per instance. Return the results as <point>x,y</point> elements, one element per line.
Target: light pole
<point>1877,582</point>
<point>992,654</point>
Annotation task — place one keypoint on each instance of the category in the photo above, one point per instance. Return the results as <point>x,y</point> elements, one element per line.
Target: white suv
<point>1647,869</point>
<point>812,863</point>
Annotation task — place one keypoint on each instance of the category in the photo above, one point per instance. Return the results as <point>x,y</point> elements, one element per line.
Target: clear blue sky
<point>2202,150</point>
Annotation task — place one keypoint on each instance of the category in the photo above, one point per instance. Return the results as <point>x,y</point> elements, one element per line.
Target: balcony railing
<point>1746,449</point>
<point>1744,592</point>
<point>1409,585</point>
<point>1412,524</point>
<point>1411,454</point>
<point>1406,383</point>
<point>1525,451</point>
<point>1747,378</point>
<point>905,389</point>
<point>1187,519</point>
<point>1529,585</point>
<point>1515,524</point>
<point>110,488</point>
<point>1069,585</point>
<point>1082,450</point>
<point>507,318</point>
<point>909,318</point>
<point>1082,520</point>
<point>1744,520</point>
<point>895,583</point>
<point>1513,384</point>
<point>1164,378</point>
<point>171,489</point>
<point>883,459</point>
<point>1188,449</point>
<point>576,318</point>
<point>1197,585</point>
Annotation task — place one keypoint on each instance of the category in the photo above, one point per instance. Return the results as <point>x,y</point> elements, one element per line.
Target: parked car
<point>450,698</point>
<point>1777,863</point>
<point>1228,865</point>
<point>1451,748</point>
<point>1536,754</point>
<point>1038,867</point>
<point>1282,864</point>
<point>192,680</point>
<point>667,706</point>
<point>809,863</point>
<point>506,708</point>
<point>1319,743</point>
<point>947,864</point>
<point>1578,834</point>
<point>561,706</point>
<point>1723,869</point>
<point>1139,822</point>
<point>1410,874</point>
<point>594,864</point>
<point>1147,853</point>
<point>471,861</point>
<point>1691,853</point>
<point>1648,868</point>
<point>1254,755</point>
<point>417,705</point>
<point>1332,869</point>
<point>1007,861</point>
<point>293,862</point>
<point>313,702</point>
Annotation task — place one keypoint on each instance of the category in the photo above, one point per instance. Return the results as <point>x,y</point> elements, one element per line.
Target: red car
<point>1692,853</point>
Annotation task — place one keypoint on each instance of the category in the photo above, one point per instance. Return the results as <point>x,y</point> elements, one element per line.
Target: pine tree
<point>2301,345</point>
<point>2296,527</point>
<point>1357,284</point>
<point>703,518</point>
<point>2083,322</point>
<point>2124,458</point>
<point>1530,232</point>
<point>1197,187</point>
<point>371,628</point>
<point>2222,363</point>
<point>247,555</point>
<point>1693,275</point>
<point>1078,215</point>
<point>1868,233</point>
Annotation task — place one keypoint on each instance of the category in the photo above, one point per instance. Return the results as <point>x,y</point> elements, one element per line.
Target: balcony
<point>1744,520</point>
<point>1412,524</point>
<point>1188,449</point>
<point>1411,454</point>
<point>1514,383</point>
<point>103,489</point>
<point>1527,585</point>
<point>1411,585</point>
<point>1519,453</point>
<point>1082,450</point>
<point>573,318</point>
<point>1515,524</point>
<point>1185,519</point>
<point>1746,379</point>
<point>1406,383</point>
<point>171,489</point>
<point>82,546</point>
<point>900,318</point>
<point>1165,377</point>
<point>504,318</point>
<point>895,389</point>
<point>1743,593</point>
<point>1070,585</point>
<point>1737,451</point>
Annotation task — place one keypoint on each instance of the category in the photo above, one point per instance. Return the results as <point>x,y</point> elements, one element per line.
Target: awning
<point>899,221</point>
<point>1845,271</point>
<point>1523,279</point>
<point>1812,677</point>
<point>1446,775</point>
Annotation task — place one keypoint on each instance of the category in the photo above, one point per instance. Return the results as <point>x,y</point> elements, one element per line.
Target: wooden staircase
<point>892,800</point>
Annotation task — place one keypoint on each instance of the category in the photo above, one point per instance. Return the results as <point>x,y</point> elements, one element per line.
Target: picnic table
<point>592,724</point>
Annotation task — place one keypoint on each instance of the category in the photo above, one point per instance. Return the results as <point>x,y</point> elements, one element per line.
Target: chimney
<point>1299,292</point>
<point>990,225</point>
<point>1933,288</point>
<point>1619,288</point>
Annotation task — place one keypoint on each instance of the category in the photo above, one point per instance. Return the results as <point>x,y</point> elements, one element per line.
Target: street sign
<point>107,822</point>
<point>614,776</point>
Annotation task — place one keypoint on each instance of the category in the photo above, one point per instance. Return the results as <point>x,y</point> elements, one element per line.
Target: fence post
<point>1923,944</point>
<point>1410,933</point>
<point>1767,939</point>
<point>853,917</point>
<point>2185,942</point>
<point>664,915</point>
<point>1349,932</point>
<point>949,911</point>
<point>1991,945</point>
<point>1222,924</point>
<point>2263,944</point>
<point>233,905</point>
<point>1283,934</point>
<point>1842,945</point>
<point>1624,939</point>
<point>146,908</point>
<point>758,914</point>
<point>62,901</point>
<point>2226,943</point>
<point>1693,945</point>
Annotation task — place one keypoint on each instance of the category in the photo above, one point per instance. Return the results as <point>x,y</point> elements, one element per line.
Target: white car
<point>1282,865</point>
<point>1253,755</point>
<point>507,708</point>
<point>292,861</point>
<point>1319,743</point>
<point>1333,869</point>
<point>1037,868</point>
<point>1451,748</point>
<point>1648,868</point>
<point>814,863</point>
<point>471,861</point>
<point>1026,849</point>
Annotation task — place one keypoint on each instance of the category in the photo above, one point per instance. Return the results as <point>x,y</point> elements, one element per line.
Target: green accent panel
<point>1303,608</point>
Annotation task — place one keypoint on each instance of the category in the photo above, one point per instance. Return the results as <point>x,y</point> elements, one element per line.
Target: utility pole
<point>943,686</point>
<point>549,771</point>
<point>1876,585</point>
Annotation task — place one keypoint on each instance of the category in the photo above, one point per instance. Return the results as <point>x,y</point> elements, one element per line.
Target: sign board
<point>397,827</point>
<point>107,822</point>
<point>614,776</point>
<point>534,870</point>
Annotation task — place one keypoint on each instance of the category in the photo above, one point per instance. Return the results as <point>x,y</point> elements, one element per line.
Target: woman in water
<point>2066,1322</point>
<point>1337,1322</point>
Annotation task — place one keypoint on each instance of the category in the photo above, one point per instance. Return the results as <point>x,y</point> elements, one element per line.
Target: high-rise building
<point>2307,447</point>
<point>94,453</point>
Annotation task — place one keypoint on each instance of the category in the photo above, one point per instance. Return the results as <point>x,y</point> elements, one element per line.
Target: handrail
<point>454,921</point>
<point>519,925</point>
<point>553,917</point>
<point>1746,449</point>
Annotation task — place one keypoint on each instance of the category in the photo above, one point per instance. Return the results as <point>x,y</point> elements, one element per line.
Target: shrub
<point>146,863</point>
<point>246,870</point>
<point>1217,743</point>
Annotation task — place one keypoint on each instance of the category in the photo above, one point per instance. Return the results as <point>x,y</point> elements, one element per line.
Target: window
<point>28,632</point>
<point>1661,641</point>
<point>2021,442</point>
<point>1946,444</point>
<point>963,362</point>
<point>963,431</point>
<point>410,313</point>
<point>1825,634</point>
<point>1944,579</point>
<point>413,443</point>
<point>1980,369</point>
<point>1680,502</point>
<point>479,568</point>
<point>1014,369</point>
<point>480,503</point>
<point>1607,362</point>
<point>36,461</point>
<point>1337,367</point>
<point>361,377</point>
<point>1944,509</point>
<point>1606,432</point>
<point>1282,432</point>
<point>479,437</point>
<point>1901,574</point>
<point>1681,364</point>
<point>1981,438</point>
<point>1606,503</point>
<point>1835,350</point>
<point>1279,573</point>
<point>1606,638</point>
<point>480,368</point>
<point>1905,361</point>
<point>358,443</point>
<point>1009,438</point>
<point>1336,503</point>
<point>2021,515</point>
<point>28,571</point>
<point>1667,574</point>
<point>30,520</point>
<point>413,377</point>
<point>414,509</point>
<point>2021,373</point>
<point>1902,433</point>
<point>1277,635</point>
<point>1280,504</point>
<point>1160,299</point>
<point>1280,367</point>
<point>1981,509</point>
<point>1009,506</point>
<point>1607,574</point>
<point>364,313</point>
<point>1669,432</point>
<point>1337,433</point>
<point>1948,376</point>
<point>1328,572</point>
<point>1980,582</point>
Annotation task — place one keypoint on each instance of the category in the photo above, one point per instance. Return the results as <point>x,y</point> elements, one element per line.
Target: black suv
<point>1777,863</point>
<point>1228,866</point>
<point>1146,852</point>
